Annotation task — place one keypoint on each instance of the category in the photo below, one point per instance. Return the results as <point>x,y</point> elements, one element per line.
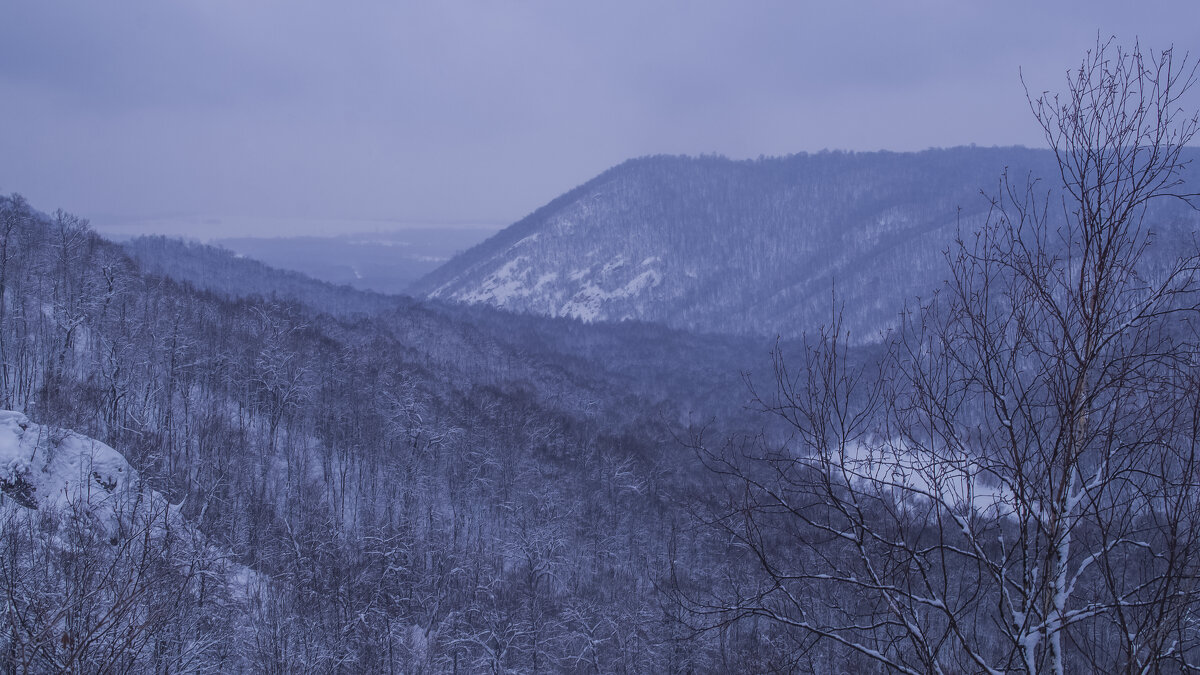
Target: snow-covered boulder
<point>42,466</point>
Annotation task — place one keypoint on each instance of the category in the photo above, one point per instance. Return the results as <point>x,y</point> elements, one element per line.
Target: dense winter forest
<point>408,486</point>
<point>586,449</point>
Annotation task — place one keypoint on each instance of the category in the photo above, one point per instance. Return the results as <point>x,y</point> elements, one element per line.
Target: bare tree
<point>78,597</point>
<point>14,211</point>
<point>1015,486</point>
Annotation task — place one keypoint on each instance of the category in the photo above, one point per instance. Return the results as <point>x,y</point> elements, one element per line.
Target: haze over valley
<point>625,338</point>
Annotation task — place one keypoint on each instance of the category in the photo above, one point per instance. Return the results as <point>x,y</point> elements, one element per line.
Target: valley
<point>534,463</point>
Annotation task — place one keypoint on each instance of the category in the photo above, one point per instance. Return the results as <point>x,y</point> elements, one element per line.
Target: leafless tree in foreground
<point>1016,487</point>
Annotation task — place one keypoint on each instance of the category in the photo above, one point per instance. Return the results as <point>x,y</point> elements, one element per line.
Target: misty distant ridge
<point>385,261</point>
<point>212,227</point>
<point>380,256</point>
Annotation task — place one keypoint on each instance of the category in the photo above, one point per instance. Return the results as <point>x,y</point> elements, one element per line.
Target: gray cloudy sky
<point>273,112</point>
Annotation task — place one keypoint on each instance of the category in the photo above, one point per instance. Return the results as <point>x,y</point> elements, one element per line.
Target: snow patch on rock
<point>45,467</point>
<point>588,303</point>
<point>501,286</point>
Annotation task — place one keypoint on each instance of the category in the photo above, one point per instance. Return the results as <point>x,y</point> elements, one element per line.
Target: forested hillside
<point>751,247</point>
<point>412,487</point>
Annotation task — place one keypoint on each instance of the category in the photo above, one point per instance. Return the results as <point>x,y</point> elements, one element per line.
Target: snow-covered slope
<point>45,467</point>
<point>99,564</point>
<point>752,247</point>
<point>50,469</point>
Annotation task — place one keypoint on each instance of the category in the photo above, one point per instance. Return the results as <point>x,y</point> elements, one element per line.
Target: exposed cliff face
<point>752,247</point>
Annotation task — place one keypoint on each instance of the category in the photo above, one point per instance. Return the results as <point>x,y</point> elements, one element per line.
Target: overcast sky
<point>290,111</point>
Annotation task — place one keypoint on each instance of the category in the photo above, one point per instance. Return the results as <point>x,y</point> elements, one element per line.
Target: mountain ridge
<point>737,246</point>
